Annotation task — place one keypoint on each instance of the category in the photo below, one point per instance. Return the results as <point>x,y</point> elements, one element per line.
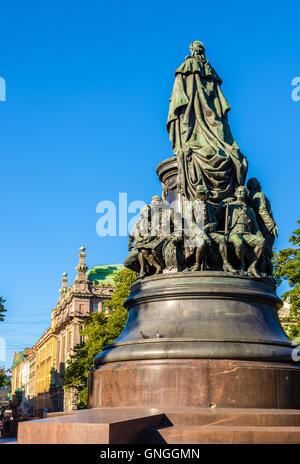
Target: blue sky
<point>88,87</point>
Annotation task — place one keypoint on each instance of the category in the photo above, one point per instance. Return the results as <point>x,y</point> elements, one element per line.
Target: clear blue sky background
<point>88,87</point>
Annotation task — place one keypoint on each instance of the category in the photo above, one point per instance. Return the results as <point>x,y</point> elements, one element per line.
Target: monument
<point>203,342</point>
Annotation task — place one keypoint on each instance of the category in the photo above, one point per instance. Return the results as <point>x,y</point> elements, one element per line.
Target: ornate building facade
<point>285,317</point>
<point>20,381</point>
<point>76,303</point>
<point>46,361</point>
<point>31,382</point>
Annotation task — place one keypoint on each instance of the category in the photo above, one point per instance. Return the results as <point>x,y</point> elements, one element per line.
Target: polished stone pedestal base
<point>197,383</point>
<point>199,351</point>
<point>159,426</point>
<point>227,426</point>
<point>180,401</point>
<point>91,426</point>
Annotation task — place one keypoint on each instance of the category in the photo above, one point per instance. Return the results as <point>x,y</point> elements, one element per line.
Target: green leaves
<point>76,366</point>
<point>287,267</point>
<point>2,377</point>
<point>2,309</point>
<point>123,280</point>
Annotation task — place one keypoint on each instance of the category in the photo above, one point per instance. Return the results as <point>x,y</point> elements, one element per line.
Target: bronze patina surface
<point>198,128</point>
<point>201,315</point>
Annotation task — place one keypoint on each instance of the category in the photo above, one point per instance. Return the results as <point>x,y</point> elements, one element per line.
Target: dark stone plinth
<point>201,315</point>
<point>196,383</point>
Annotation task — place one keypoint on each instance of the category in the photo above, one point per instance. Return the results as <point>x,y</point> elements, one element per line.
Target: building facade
<point>285,318</point>
<point>42,367</point>
<point>76,303</point>
<point>20,381</point>
<point>44,362</point>
<point>31,381</point>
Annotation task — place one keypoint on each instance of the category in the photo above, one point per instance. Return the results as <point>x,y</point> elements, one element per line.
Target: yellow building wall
<point>16,381</point>
<point>45,358</point>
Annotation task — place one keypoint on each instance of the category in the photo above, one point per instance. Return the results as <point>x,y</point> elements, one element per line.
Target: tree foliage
<point>2,308</point>
<point>2,378</point>
<point>98,331</point>
<point>287,267</point>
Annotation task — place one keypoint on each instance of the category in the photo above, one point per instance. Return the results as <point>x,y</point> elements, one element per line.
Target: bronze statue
<point>265,220</point>
<point>139,236</point>
<point>242,229</point>
<point>204,231</point>
<point>214,312</point>
<point>198,128</point>
<point>154,239</point>
<point>151,250</point>
<point>231,229</point>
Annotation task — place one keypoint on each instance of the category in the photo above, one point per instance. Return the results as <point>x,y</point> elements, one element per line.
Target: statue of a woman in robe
<point>199,131</point>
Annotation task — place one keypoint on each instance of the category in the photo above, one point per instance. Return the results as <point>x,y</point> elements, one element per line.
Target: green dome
<point>104,273</point>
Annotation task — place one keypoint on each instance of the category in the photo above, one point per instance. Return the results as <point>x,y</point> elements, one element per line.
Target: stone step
<point>91,426</point>
<point>239,417</point>
<point>174,426</point>
<point>221,434</point>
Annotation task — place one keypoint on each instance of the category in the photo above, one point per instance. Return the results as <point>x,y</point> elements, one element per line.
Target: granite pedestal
<point>202,359</point>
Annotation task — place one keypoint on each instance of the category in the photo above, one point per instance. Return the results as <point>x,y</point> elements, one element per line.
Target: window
<point>64,348</point>
<point>81,336</point>
<point>81,308</point>
<point>58,355</point>
<point>95,307</point>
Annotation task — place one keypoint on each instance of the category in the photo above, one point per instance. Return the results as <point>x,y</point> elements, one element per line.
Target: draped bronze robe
<point>200,134</point>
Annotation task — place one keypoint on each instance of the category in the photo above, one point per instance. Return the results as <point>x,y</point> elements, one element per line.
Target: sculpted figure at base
<point>204,232</point>
<point>152,250</point>
<point>198,128</point>
<point>262,207</point>
<point>155,242</point>
<point>243,230</point>
<point>139,236</point>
